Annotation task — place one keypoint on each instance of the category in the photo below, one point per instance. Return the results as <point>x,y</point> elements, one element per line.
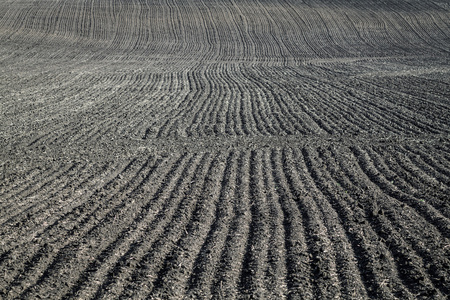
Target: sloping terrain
<point>195,149</point>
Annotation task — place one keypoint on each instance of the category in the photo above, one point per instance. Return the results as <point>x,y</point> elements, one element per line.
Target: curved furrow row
<point>277,260</point>
<point>227,275</point>
<point>276,32</point>
<point>424,27</point>
<point>442,148</point>
<point>47,197</point>
<point>412,180</point>
<point>297,114</point>
<point>219,120</point>
<point>15,183</point>
<point>179,266</point>
<point>191,104</point>
<point>344,115</point>
<point>41,215</point>
<point>327,16</point>
<point>126,86</point>
<point>373,26</point>
<point>146,98</point>
<point>207,262</point>
<point>222,38</point>
<point>261,110</point>
<point>241,23</point>
<point>380,175</point>
<point>36,192</point>
<point>311,105</point>
<point>424,105</point>
<point>159,103</point>
<point>132,239</point>
<point>72,100</point>
<point>97,26</point>
<point>433,161</point>
<point>10,11</point>
<point>205,124</point>
<point>39,29</point>
<point>227,91</point>
<point>226,98</point>
<point>239,115</point>
<point>352,34</point>
<point>426,167</point>
<point>168,225</point>
<point>383,105</point>
<point>42,229</point>
<point>322,44</point>
<point>295,33</point>
<point>298,258</point>
<point>43,24</point>
<point>377,26</point>
<point>87,240</point>
<point>378,29</point>
<point>252,276</point>
<point>402,34</point>
<point>79,219</point>
<point>260,28</point>
<point>210,29</point>
<point>128,17</point>
<point>323,261</point>
<point>278,112</point>
<point>224,149</point>
<point>439,23</point>
<point>41,85</point>
<point>214,91</point>
<point>239,94</point>
<point>194,31</point>
<point>260,106</point>
<point>376,265</point>
<point>340,248</point>
<point>431,91</point>
<point>396,230</point>
<point>343,112</point>
<point>18,20</point>
<point>316,105</point>
<point>390,119</point>
<point>440,151</point>
<point>355,105</point>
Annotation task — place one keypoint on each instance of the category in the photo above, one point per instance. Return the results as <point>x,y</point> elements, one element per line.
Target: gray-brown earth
<point>262,149</point>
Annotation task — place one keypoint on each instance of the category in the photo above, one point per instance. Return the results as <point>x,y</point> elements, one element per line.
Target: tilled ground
<point>224,149</point>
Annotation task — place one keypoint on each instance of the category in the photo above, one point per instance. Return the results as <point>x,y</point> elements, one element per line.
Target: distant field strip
<point>224,149</point>
<point>263,31</point>
<point>222,100</point>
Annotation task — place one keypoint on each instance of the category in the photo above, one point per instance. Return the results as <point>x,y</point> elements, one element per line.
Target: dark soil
<point>224,149</point>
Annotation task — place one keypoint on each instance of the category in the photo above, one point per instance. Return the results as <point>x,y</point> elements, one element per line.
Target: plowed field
<point>267,149</point>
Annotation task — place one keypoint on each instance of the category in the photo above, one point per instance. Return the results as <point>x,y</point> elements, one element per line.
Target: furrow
<point>323,262</point>
<point>276,271</point>
<point>129,238</point>
<point>68,227</point>
<point>365,243</point>
<point>346,266</point>
<point>207,261</point>
<point>181,263</point>
<point>298,258</point>
<point>226,279</point>
<point>75,248</point>
<point>418,183</point>
<point>410,255</point>
<point>378,174</point>
<point>252,276</point>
